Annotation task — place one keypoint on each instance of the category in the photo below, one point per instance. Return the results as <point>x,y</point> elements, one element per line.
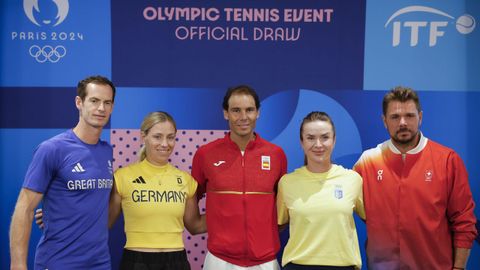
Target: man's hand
<point>39,218</point>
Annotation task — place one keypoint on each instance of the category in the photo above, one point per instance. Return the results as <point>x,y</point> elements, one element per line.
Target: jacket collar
<point>250,144</point>
<point>420,146</point>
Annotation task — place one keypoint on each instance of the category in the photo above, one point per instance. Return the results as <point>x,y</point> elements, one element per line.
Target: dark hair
<point>151,120</point>
<point>241,89</point>
<point>402,94</point>
<point>100,80</point>
<point>316,116</point>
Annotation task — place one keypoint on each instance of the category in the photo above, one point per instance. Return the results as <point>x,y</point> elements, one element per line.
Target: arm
<point>21,227</point>
<point>460,207</point>
<point>359,205</point>
<point>198,174</point>
<point>194,222</point>
<point>460,258</point>
<point>283,171</point>
<point>360,209</point>
<point>281,209</point>
<point>114,206</point>
<point>283,217</point>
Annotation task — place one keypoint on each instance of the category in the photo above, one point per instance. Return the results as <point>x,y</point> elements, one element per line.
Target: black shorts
<point>293,266</point>
<point>135,260</point>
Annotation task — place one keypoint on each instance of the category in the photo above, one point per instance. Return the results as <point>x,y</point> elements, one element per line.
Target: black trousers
<point>135,260</point>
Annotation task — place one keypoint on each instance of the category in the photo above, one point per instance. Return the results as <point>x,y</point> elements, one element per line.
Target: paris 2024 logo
<point>46,44</point>
<point>36,16</point>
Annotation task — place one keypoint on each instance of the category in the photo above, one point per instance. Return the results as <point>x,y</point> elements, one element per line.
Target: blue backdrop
<point>180,56</point>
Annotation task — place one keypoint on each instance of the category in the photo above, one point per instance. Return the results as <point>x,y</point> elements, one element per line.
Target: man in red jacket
<point>239,174</point>
<point>418,202</point>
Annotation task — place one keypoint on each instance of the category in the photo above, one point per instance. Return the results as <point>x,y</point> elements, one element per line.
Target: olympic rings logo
<point>47,53</point>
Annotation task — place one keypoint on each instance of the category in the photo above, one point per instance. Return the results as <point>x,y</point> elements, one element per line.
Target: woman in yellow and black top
<point>158,201</point>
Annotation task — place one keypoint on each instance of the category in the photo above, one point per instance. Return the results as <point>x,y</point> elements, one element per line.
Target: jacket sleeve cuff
<point>462,243</point>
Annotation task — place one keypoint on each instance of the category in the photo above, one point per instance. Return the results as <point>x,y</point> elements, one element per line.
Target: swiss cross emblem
<point>428,175</point>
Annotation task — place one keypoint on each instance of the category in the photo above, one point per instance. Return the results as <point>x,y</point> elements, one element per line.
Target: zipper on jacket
<point>245,206</point>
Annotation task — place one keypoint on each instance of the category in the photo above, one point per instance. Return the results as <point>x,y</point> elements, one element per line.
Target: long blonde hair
<point>151,120</point>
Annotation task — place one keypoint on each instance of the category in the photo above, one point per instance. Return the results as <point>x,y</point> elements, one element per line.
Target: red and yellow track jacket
<point>240,206</point>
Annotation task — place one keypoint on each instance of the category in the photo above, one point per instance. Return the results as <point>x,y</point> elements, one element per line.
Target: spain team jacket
<point>240,201</point>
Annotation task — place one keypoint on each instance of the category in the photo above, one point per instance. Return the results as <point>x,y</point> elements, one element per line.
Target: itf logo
<point>46,45</point>
<point>433,29</point>
<point>62,10</point>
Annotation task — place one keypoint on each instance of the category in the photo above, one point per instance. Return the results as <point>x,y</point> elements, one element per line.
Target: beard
<point>407,140</point>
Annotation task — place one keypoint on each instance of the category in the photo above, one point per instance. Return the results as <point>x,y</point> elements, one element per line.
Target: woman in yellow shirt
<point>318,201</point>
<point>158,201</point>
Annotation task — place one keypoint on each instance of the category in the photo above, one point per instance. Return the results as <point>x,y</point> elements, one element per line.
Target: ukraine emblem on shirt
<point>338,192</point>
<point>266,163</point>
